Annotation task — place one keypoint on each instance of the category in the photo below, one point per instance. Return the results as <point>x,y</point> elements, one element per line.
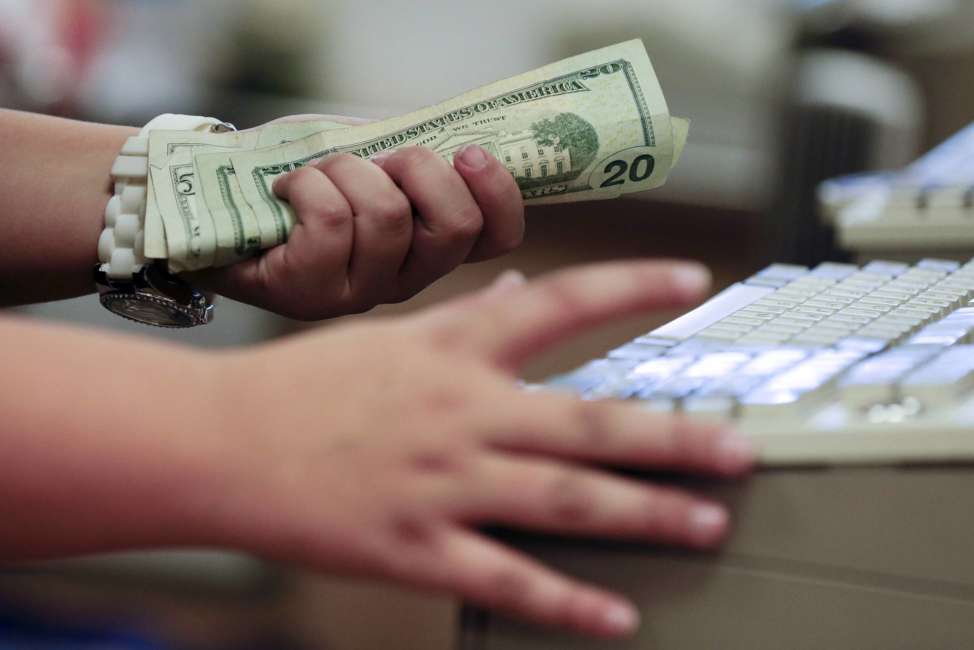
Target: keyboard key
<point>717,334</point>
<point>723,304</point>
<point>783,327</point>
<point>763,338</point>
<point>940,382</point>
<point>771,403</point>
<point>882,267</point>
<point>923,275</point>
<point>796,320</point>
<point>777,301</point>
<point>816,338</point>
<point>873,381</point>
<point>832,303</point>
<point>854,319</point>
<point>661,341</point>
<point>832,327</point>
<point>943,336</point>
<point>947,266</point>
<point>738,319</point>
<point>908,284</point>
<point>591,376</point>
<point>718,364</point>
<point>863,344</point>
<point>674,388</point>
<point>845,292</point>
<point>864,279</point>
<point>878,304</point>
<point>764,313</point>
<point>734,386</point>
<point>813,311</point>
<point>661,368</point>
<point>697,346</point>
<point>834,270</point>
<point>710,408</point>
<point>637,351</point>
<point>659,405</point>
<point>899,295</point>
<point>861,311</point>
<point>784,271</point>
<point>774,283</point>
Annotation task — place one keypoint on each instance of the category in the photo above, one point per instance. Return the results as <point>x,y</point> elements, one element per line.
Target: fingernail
<point>473,157</point>
<point>707,523</point>
<point>620,618</point>
<point>691,278</point>
<point>381,157</point>
<point>510,278</point>
<point>735,452</point>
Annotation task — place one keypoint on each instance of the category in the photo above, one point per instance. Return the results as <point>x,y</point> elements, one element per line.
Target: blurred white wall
<point>721,63</point>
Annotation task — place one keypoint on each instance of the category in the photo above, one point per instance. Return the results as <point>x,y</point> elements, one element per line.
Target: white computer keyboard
<point>836,364</point>
<point>927,206</point>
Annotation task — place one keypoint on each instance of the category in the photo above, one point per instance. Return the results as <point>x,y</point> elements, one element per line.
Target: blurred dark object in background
<point>21,629</point>
<point>853,106</point>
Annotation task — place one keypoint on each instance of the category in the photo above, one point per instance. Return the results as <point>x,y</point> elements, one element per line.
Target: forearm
<point>52,198</point>
<point>108,443</point>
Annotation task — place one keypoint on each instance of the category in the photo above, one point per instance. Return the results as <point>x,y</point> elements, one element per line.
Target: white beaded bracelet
<point>121,246</point>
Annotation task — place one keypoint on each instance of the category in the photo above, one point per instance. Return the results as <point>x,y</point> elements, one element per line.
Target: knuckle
<point>392,211</point>
<point>412,529</point>
<point>687,440</point>
<point>667,514</point>
<point>561,296</point>
<point>418,156</point>
<point>465,225</point>
<point>333,217</point>
<point>592,420</point>
<point>302,181</point>
<point>572,609</point>
<point>442,459</point>
<point>337,160</point>
<point>507,588</point>
<point>446,336</point>
<point>570,497</point>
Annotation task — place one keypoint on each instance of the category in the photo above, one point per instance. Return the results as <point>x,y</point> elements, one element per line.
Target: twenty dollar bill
<point>593,126</point>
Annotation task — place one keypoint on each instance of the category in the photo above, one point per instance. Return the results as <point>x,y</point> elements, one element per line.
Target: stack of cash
<point>592,126</point>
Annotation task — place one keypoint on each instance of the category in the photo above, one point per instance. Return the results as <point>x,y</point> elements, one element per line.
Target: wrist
<point>56,186</point>
<point>233,486</point>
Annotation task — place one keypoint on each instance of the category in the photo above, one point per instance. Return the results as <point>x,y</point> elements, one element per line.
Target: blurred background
<point>782,95</point>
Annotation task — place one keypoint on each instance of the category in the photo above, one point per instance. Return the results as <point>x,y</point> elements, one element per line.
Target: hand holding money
<point>355,242</point>
<point>590,127</point>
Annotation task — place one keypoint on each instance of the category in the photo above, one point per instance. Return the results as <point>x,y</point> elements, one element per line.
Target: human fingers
<point>552,309</point>
<point>383,226</point>
<point>449,219</point>
<point>306,276</point>
<point>550,495</point>
<point>487,573</point>
<point>621,434</point>
<point>499,198</point>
